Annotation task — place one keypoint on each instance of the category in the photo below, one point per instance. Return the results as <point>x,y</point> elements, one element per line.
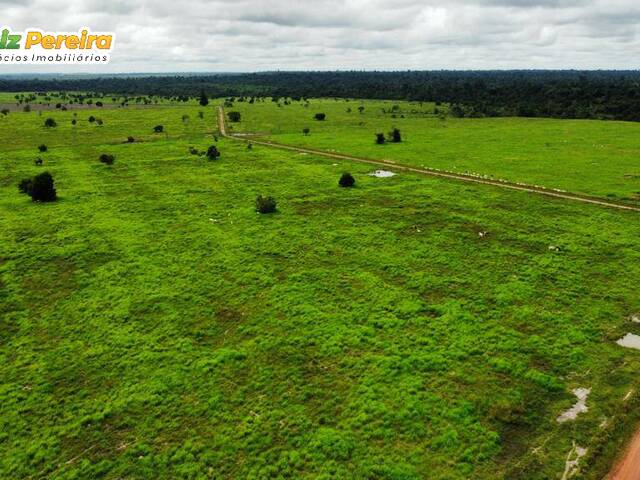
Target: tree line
<point>559,94</point>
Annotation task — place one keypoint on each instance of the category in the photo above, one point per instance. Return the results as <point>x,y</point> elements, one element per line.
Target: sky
<point>259,35</point>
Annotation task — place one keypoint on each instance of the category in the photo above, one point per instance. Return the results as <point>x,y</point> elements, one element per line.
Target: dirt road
<point>427,171</point>
<point>628,468</point>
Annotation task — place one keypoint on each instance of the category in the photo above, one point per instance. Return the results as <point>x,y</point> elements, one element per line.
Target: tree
<point>204,101</point>
<point>92,119</point>
<point>347,180</point>
<point>234,116</point>
<point>320,116</point>
<point>212,152</point>
<point>361,109</point>
<point>265,204</point>
<point>380,138</point>
<point>50,123</point>
<point>306,130</point>
<point>42,148</point>
<point>158,129</point>
<point>40,188</point>
<point>107,159</point>
<point>394,136</point>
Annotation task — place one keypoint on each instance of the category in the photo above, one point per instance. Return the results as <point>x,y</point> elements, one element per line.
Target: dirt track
<point>628,468</point>
<point>428,171</point>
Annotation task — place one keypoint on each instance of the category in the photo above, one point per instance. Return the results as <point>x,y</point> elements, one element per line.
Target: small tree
<point>107,159</point>
<point>5,111</point>
<point>74,121</point>
<point>158,129</point>
<point>50,123</point>
<point>265,204</point>
<point>361,109</point>
<point>204,101</point>
<point>320,116</point>
<point>306,130</point>
<point>92,119</point>
<point>42,148</point>
<point>130,139</point>
<point>212,152</point>
<point>234,116</point>
<point>99,104</point>
<point>38,162</point>
<point>99,122</point>
<point>42,188</point>
<point>380,138</point>
<point>394,136</point>
<point>347,180</point>
<point>25,186</point>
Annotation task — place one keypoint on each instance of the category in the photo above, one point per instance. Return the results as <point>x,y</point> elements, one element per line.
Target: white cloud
<point>251,35</point>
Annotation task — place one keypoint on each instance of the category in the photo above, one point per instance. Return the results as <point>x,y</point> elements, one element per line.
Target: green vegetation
<point>583,156</point>
<point>154,326</point>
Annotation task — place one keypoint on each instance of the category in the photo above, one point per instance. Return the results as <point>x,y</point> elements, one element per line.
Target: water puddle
<point>579,407</point>
<point>630,340</point>
<point>382,174</point>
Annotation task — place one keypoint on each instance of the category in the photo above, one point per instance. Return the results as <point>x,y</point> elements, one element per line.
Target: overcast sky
<point>256,35</point>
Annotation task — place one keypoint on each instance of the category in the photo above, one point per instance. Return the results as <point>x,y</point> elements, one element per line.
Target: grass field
<point>583,156</point>
<point>154,326</point>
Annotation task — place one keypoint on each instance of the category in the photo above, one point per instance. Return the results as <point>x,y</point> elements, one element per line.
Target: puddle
<point>382,174</point>
<point>579,407</point>
<point>630,340</point>
<point>571,466</point>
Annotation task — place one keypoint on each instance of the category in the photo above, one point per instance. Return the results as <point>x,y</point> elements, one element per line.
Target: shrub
<point>347,180</point>
<point>394,136</point>
<point>107,159</point>
<point>99,104</point>
<point>25,186</point>
<point>38,162</point>
<point>212,152</point>
<point>92,119</point>
<point>265,204</point>
<point>158,129</point>
<point>74,121</point>
<point>99,121</point>
<point>50,123</point>
<point>42,148</point>
<point>130,139</point>
<point>5,111</point>
<point>234,116</point>
<point>320,116</point>
<point>41,188</point>
<point>380,138</point>
<point>306,130</point>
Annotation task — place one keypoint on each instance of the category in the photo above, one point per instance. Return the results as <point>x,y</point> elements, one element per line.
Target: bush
<point>306,130</point>
<point>42,148</point>
<point>265,204</point>
<point>320,116</point>
<point>107,159</point>
<point>394,136</point>
<point>92,119</point>
<point>25,186</point>
<point>5,111</point>
<point>130,139</point>
<point>234,116</point>
<point>38,162</point>
<point>40,188</point>
<point>212,152</point>
<point>74,121</point>
<point>347,180</point>
<point>99,121</point>
<point>50,123</point>
<point>380,138</point>
<point>158,129</point>
<point>99,104</point>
